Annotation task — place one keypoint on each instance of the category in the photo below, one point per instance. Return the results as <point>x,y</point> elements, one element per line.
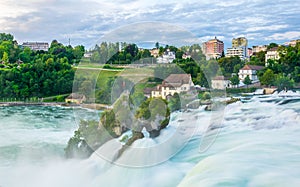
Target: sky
<point>87,22</point>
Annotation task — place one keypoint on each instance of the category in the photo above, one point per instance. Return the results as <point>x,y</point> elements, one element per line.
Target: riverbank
<point>94,106</point>
<point>32,104</point>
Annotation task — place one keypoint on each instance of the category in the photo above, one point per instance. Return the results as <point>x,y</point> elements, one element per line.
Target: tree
<point>296,74</point>
<point>283,83</point>
<point>179,54</point>
<point>247,80</point>
<point>201,80</point>
<point>228,64</point>
<point>268,78</point>
<point>271,45</point>
<point>78,52</point>
<point>5,58</point>
<point>154,110</point>
<point>25,55</point>
<point>137,98</point>
<point>258,59</point>
<point>206,96</point>
<point>174,102</point>
<point>6,37</point>
<point>157,45</point>
<point>146,53</point>
<point>235,80</point>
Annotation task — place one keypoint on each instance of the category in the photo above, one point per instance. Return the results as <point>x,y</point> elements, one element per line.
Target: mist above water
<point>258,145</point>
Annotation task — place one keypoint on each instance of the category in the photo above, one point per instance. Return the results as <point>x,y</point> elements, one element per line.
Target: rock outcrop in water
<point>215,105</point>
<point>153,115</point>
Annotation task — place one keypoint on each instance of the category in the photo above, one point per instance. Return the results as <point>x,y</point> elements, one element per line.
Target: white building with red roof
<point>174,83</point>
<point>251,71</point>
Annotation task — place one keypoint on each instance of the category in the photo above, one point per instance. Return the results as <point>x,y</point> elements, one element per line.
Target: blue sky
<point>86,21</point>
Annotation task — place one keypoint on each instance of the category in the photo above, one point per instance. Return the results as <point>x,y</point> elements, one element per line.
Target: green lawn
<point>89,65</point>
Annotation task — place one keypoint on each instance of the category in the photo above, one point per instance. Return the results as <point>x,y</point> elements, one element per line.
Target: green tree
<point>247,80</point>
<point>283,82</point>
<point>228,64</point>
<point>296,74</point>
<point>156,45</point>
<point>137,98</point>
<point>6,37</point>
<point>206,96</point>
<point>153,109</point>
<point>235,80</point>
<point>78,52</point>
<point>179,54</point>
<point>25,55</point>
<point>201,80</point>
<point>174,102</point>
<point>268,78</point>
<point>258,59</point>
<point>5,58</point>
<point>271,45</point>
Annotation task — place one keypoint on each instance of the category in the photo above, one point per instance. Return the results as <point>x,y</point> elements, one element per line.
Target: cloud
<point>285,36</point>
<point>85,21</point>
<point>151,32</point>
<point>266,28</point>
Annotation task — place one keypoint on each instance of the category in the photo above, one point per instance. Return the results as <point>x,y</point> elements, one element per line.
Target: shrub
<point>206,96</point>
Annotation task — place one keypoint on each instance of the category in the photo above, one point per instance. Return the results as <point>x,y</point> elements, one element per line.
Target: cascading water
<point>257,145</point>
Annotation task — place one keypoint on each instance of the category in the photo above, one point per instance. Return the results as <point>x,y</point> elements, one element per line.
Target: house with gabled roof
<point>220,83</point>
<point>251,71</point>
<point>174,83</point>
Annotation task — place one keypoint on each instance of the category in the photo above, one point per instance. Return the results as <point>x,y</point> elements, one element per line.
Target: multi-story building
<point>36,46</point>
<point>239,51</point>
<point>292,43</point>
<point>259,48</point>
<point>213,48</point>
<point>272,54</point>
<point>174,83</point>
<point>239,48</point>
<point>239,42</point>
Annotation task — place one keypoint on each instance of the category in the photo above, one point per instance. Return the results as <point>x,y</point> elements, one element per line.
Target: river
<point>257,144</point>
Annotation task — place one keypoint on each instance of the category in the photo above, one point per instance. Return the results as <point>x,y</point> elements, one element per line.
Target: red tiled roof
<point>177,79</point>
<point>273,49</point>
<point>252,67</point>
<point>157,88</point>
<point>148,90</point>
<point>220,78</point>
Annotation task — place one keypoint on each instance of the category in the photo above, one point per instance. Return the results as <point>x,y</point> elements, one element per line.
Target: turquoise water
<point>257,144</point>
<point>35,133</point>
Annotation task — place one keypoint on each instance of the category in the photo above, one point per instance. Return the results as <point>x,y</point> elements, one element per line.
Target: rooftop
<point>177,79</point>
<point>273,49</point>
<point>220,78</point>
<point>252,67</point>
